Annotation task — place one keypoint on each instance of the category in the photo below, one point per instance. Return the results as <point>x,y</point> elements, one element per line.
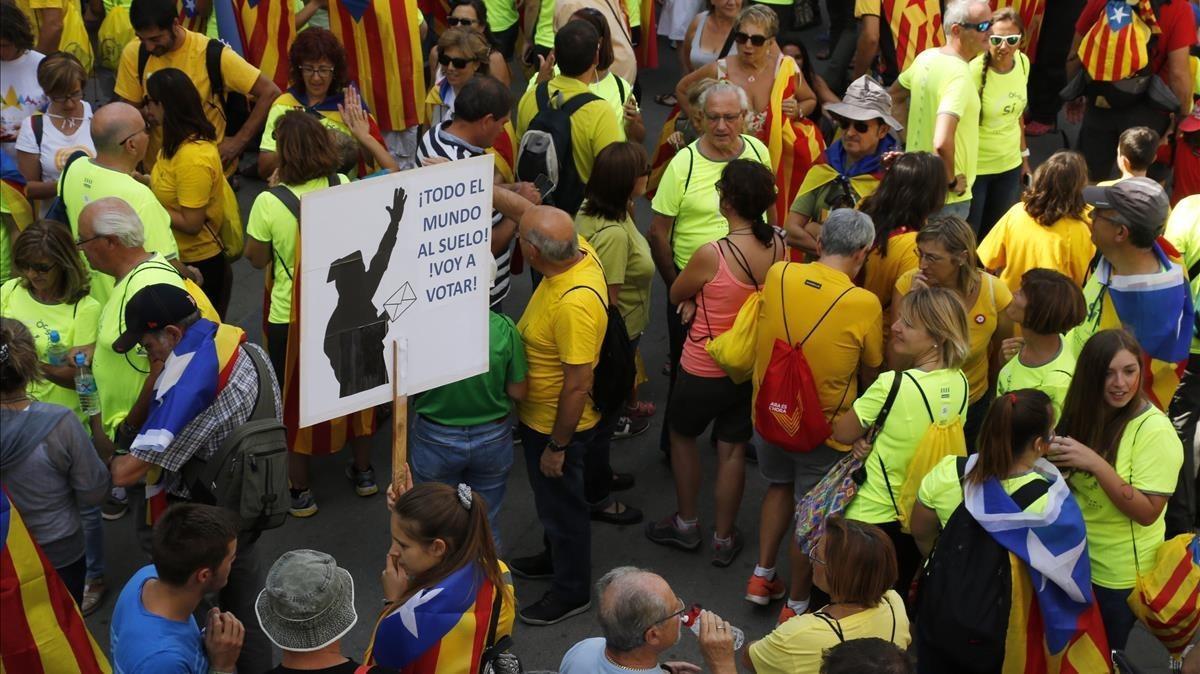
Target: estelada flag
<point>794,145</point>
<point>383,53</point>
<point>1166,595</point>
<point>12,193</point>
<point>647,50</point>
<point>191,18</point>
<point>41,628</point>
<point>261,31</point>
<point>1114,48</point>
<point>437,11</point>
<point>664,151</point>
<point>1031,13</point>
<point>916,26</point>
<point>504,148</point>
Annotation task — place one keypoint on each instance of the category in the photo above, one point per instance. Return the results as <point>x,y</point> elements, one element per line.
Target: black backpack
<point>546,149</point>
<point>965,594</point>
<point>615,372</point>
<point>292,202</point>
<point>234,105</point>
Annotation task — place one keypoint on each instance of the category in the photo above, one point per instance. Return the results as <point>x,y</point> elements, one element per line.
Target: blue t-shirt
<point>587,657</point>
<point>142,642</point>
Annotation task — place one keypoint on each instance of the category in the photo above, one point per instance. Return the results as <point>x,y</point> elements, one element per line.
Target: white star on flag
<point>1056,568</point>
<point>408,612</point>
<point>190,6</point>
<point>1117,15</point>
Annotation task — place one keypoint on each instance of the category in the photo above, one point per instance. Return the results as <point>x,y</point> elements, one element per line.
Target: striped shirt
<point>437,142</point>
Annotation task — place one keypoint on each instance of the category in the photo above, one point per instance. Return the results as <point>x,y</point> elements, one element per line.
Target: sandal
<point>642,408</point>
<point>665,99</point>
<point>620,514</point>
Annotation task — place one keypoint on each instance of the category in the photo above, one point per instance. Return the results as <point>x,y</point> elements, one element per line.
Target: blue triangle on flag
<point>1119,14</point>
<point>357,8</point>
<point>253,3</point>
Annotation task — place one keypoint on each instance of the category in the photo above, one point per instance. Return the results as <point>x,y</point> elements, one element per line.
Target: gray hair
<point>552,249</point>
<point>113,216</point>
<point>725,87</point>
<point>629,610</point>
<point>846,231</point>
<point>959,11</point>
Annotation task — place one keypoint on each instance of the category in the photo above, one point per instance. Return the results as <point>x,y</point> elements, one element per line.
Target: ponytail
<point>19,365</point>
<point>431,511</point>
<point>1013,421</point>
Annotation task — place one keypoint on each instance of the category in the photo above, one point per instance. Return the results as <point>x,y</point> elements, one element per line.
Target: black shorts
<point>698,401</point>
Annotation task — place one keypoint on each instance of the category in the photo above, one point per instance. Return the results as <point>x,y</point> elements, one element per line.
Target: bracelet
<point>1025,153</point>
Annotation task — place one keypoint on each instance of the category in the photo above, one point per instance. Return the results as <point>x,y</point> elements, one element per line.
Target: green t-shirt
<point>87,181</point>
<point>120,377</point>
<point>481,398</point>
<point>688,193</point>
<point>1003,100</point>
<point>276,111</point>
<point>273,224</point>
<point>625,255</point>
<point>942,492</point>
<point>501,14</point>
<point>941,84</point>
<point>1053,378</point>
<point>1149,456</point>
<point>946,390</point>
<point>76,326</point>
<point>1183,231</point>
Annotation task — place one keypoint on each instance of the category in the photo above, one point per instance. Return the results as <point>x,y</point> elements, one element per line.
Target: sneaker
<point>303,504</point>
<point>761,591</point>
<point>786,613</point>
<point>533,567</point>
<point>664,532</point>
<point>1034,129</point>
<point>93,596</point>
<point>724,556</point>
<point>550,609</point>
<point>114,509</point>
<point>627,427</point>
<point>364,480</point>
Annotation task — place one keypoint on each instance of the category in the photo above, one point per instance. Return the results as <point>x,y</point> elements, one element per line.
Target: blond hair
<point>760,16</point>
<point>957,237</point>
<point>940,313</point>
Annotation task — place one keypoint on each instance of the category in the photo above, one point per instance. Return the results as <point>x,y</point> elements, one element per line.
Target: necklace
<point>69,123</point>
<point>618,665</point>
<point>753,76</point>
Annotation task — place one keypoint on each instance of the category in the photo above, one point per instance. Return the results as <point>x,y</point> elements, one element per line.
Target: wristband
<point>1025,153</point>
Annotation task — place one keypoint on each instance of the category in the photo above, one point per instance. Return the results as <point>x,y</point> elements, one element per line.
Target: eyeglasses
<point>458,63</point>
<point>77,96</point>
<point>756,40</point>
<point>729,119</point>
<point>465,23</point>
<point>859,126</point>
<point>80,242</point>
<point>981,27</point>
<point>928,257</point>
<point>997,40</point>
<point>683,608</point>
<point>40,268</point>
<point>323,71</point>
<point>126,139</point>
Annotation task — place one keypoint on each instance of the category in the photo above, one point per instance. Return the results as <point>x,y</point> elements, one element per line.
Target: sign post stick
<point>399,414</point>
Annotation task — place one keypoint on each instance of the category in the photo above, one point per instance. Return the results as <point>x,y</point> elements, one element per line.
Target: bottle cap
<point>80,359</point>
<point>54,336</point>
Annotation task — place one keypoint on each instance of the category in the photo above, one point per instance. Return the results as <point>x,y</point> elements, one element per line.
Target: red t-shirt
<point>1187,171</point>
<point>1176,20</point>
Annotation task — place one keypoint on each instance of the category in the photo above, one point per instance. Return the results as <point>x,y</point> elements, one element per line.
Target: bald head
<point>551,231</point>
<point>114,123</point>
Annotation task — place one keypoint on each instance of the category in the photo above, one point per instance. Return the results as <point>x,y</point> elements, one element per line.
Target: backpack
<point>788,411</point>
<point>546,150</point>
<point>498,657</point>
<point>1115,54</point>
<point>292,202</point>
<point>248,473</point>
<point>965,592</point>
<point>615,372</point>
<point>234,106</point>
<point>58,208</point>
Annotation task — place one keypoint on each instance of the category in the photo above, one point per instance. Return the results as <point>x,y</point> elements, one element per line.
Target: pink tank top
<point>717,305</point>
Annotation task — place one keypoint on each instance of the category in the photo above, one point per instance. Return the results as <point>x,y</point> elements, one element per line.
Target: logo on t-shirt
<point>980,319</point>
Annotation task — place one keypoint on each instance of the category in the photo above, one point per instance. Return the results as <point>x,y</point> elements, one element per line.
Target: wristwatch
<point>554,446</point>
<point>953,182</point>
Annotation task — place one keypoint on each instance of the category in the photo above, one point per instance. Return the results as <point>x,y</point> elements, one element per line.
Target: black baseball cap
<point>153,308</point>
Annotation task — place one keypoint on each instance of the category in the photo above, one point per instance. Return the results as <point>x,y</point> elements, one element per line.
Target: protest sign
<point>404,256</point>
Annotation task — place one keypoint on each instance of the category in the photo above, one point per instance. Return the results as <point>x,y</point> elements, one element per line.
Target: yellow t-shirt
<point>1053,378</point>
<point>193,178</point>
<point>76,326</point>
<point>1149,456</point>
<point>1183,231</point>
<point>982,321</point>
<point>593,126</point>
<point>946,393</point>
<point>74,39</point>
<point>561,327</point>
<point>688,193</point>
<point>941,491</point>
<point>614,89</point>
<point>880,273</point>
<point>850,335</point>
<point>941,84</point>
<point>1018,243</point>
<point>799,644</point>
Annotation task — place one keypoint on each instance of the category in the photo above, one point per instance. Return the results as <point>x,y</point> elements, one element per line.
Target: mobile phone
<point>543,185</point>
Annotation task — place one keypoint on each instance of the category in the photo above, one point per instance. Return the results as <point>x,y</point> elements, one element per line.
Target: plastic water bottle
<point>56,353</point>
<point>85,386</point>
<point>692,620</point>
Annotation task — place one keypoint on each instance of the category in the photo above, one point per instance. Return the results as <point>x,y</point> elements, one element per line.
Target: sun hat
<point>308,601</point>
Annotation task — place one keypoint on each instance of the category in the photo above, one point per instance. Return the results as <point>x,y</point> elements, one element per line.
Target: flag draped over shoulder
<point>1114,48</point>
<point>862,177</point>
<point>1055,622</point>
<point>916,26</point>
<point>1031,12</point>
<point>12,193</point>
<point>261,31</point>
<point>383,52</point>
<point>794,145</point>
<point>41,628</point>
<point>328,109</point>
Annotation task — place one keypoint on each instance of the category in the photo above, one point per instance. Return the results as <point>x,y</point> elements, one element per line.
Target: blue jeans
<point>991,197</point>
<point>93,541</point>
<point>959,209</point>
<point>1117,616</point>
<point>479,456</point>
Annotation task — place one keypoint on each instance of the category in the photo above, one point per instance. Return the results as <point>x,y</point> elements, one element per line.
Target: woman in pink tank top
<point>712,288</point>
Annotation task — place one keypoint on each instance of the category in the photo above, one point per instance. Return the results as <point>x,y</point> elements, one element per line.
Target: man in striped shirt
<point>480,112</point>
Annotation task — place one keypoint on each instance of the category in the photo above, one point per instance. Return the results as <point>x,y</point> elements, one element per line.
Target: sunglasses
<point>859,126</point>
<point>981,27</point>
<point>457,63</point>
<point>997,40</point>
<point>756,40</point>
<point>40,268</point>
<point>465,23</point>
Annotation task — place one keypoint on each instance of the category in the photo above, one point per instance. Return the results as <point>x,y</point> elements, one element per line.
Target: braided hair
<point>1005,14</point>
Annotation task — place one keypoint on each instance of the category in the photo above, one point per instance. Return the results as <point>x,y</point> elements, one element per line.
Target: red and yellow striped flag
<point>1025,648</point>
<point>505,150</point>
<point>1031,13</point>
<point>916,26</point>
<point>664,152</point>
<point>383,53</point>
<point>1114,48</point>
<point>266,29</point>
<point>191,18</point>
<point>794,145</point>
<point>437,11</point>
<point>647,49</point>
<point>41,628</point>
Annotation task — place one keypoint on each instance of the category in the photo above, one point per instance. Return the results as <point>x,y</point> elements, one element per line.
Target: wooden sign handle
<point>399,418</point>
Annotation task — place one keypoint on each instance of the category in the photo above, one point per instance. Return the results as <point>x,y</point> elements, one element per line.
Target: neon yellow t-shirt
<point>273,224</point>
<point>76,326</point>
<point>543,31</point>
<point>561,327</point>
<point>120,377</point>
<point>1183,231</point>
<point>982,321</point>
<point>1003,102</point>
<point>941,491</point>
<point>692,201</point>
<point>276,111</point>
<point>1149,456</point>
<point>502,14</point>
<point>1018,243</point>
<point>593,126</point>
<point>799,644</point>
<point>946,391</point>
<point>193,178</point>
<point>1053,378</point>
<point>941,84</point>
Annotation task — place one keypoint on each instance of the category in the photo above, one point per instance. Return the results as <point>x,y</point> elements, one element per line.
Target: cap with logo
<point>153,308</point>
<point>1141,201</point>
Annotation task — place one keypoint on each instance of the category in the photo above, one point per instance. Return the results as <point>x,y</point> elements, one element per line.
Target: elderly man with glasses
<point>641,619</point>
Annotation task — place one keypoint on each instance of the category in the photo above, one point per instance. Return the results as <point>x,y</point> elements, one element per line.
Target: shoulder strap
<point>62,175</point>
<point>1028,493</point>
<point>36,121</point>
<point>691,164</point>
<point>960,466</point>
<point>593,292</point>
<point>822,318</point>
<point>747,141</point>
<point>620,88</point>
<point>928,409</point>
<point>740,258</point>
<point>143,58</point>
<point>288,198</point>
<point>833,625</point>
<point>264,405</point>
<point>888,402</point>
<point>542,95</point>
<point>212,63</point>
<point>578,101</point>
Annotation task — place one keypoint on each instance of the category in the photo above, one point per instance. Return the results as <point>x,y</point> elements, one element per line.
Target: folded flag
<point>1114,48</point>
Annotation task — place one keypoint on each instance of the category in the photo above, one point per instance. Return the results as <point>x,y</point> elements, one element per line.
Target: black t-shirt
<point>347,667</point>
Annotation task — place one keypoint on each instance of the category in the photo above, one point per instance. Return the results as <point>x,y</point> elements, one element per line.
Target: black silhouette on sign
<point>356,330</point>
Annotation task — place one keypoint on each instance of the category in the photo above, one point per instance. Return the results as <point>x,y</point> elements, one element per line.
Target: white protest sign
<point>406,255</point>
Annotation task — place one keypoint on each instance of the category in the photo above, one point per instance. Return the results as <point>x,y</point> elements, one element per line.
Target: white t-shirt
<point>56,145</point>
<point>20,96</point>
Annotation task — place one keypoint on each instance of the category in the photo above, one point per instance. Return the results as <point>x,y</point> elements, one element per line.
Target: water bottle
<point>692,620</point>
<point>85,386</point>
<point>56,353</point>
